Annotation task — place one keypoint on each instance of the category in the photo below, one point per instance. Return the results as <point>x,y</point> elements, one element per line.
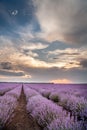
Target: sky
<point>43,41</point>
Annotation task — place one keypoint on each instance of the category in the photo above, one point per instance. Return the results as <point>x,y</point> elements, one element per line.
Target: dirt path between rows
<point>22,120</point>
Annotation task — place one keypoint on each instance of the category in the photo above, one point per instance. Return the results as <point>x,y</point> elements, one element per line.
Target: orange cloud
<point>61,81</point>
<point>3,77</point>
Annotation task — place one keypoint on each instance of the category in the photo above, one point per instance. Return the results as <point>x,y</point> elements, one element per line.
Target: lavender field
<point>48,106</point>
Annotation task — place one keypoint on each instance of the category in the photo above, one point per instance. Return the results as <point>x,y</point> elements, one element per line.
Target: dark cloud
<point>68,54</point>
<point>83,63</point>
<point>11,73</point>
<point>47,74</point>
<point>68,19</point>
<point>6,65</point>
<point>43,74</point>
<point>25,52</point>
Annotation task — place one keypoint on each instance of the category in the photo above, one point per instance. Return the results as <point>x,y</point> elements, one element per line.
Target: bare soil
<point>21,119</point>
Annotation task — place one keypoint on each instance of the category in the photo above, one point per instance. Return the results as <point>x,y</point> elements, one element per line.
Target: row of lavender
<point>73,89</point>
<point>70,98</point>
<point>4,87</point>
<point>49,115</point>
<point>8,103</point>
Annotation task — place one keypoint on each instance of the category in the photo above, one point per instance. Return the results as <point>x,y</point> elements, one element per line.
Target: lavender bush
<point>8,103</point>
<point>65,125</point>
<point>71,98</point>
<point>77,105</point>
<point>29,92</point>
<point>5,87</point>
<point>44,110</point>
<point>54,97</point>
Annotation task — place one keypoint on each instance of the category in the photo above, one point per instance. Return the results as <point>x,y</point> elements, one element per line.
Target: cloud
<point>4,40</point>
<point>64,20</point>
<point>28,55</point>
<point>5,78</point>
<point>30,39</point>
<point>35,46</point>
<point>61,81</point>
<point>67,51</point>
<point>11,73</point>
<point>48,74</point>
<point>21,54</point>
<point>42,73</point>
<point>6,65</point>
<point>83,63</point>
<point>25,62</point>
<point>28,52</point>
<point>67,58</point>
<point>32,46</point>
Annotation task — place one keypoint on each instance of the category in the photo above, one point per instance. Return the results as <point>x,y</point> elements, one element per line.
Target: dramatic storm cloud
<point>63,19</point>
<point>43,41</point>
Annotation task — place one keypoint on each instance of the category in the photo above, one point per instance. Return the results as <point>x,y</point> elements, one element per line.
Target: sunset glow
<point>61,81</point>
